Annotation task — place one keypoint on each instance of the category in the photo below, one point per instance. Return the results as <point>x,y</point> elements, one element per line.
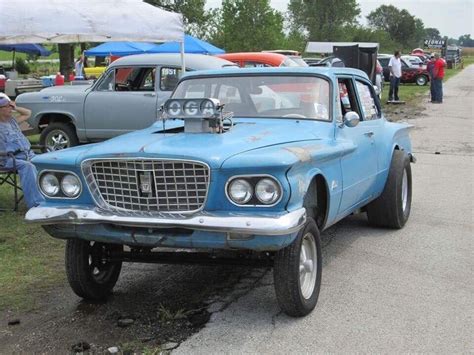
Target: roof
<point>276,58</point>
<point>327,47</point>
<point>326,71</point>
<point>194,61</point>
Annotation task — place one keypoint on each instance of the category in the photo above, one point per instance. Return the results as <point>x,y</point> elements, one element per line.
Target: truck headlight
<point>267,191</point>
<point>49,184</point>
<point>240,191</point>
<point>70,185</point>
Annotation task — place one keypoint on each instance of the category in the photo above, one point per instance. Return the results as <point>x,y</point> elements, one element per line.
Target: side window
<point>347,96</point>
<point>255,65</point>
<point>107,82</point>
<point>128,79</point>
<point>169,78</point>
<point>366,96</point>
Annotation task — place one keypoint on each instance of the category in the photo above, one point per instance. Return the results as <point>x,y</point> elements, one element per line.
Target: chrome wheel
<point>404,191</point>
<point>57,140</point>
<point>308,265</point>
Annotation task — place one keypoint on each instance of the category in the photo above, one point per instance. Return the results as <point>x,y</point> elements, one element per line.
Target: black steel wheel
<point>90,275</point>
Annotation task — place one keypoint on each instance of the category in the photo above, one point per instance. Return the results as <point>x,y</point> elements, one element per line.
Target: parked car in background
<point>125,98</point>
<point>419,76</point>
<point>330,61</point>
<point>259,59</point>
<point>413,61</point>
<point>246,166</point>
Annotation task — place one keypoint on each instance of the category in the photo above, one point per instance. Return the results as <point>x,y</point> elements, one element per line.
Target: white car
<point>413,61</point>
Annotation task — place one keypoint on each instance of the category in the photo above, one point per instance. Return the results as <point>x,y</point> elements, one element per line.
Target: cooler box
<point>47,80</point>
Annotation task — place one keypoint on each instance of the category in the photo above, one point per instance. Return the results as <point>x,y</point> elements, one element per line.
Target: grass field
<point>32,262</point>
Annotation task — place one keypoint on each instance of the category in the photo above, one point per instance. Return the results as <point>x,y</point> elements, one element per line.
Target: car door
<point>359,168</point>
<point>124,100</point>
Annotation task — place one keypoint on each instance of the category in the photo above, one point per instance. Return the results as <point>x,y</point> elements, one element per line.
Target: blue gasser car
<point>254,161</point>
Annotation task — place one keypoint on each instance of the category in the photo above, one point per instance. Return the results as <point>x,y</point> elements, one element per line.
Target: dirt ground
<point>153,308</point>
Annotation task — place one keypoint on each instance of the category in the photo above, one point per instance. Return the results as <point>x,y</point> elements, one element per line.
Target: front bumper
<point>282,223</point>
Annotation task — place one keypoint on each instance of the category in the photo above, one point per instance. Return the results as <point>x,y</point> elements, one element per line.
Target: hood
<point>214,149</point>
<point>66,88</point>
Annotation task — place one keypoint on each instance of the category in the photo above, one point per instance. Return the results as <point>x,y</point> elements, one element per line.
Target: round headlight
<point>49,184</point>
<point>70,185</point>
<point>267,191</point>
<point>240,191</point>
<point>208,107</point>
<point>173,108</point>
<point>191,108</point>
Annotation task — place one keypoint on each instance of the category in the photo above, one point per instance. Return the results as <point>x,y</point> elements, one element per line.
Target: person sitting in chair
<point>14,143</point>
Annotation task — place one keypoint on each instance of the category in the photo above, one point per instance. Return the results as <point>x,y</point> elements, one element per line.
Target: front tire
<point>57,136</point>
<point>392,208</point>
<point>89,273</point>
<point>421,80</point>
<point>297,272</point>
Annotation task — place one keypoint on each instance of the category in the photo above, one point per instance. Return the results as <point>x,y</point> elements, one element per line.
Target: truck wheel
<point>421,80</point>
<point>392,208</point>
<point>57,136</point>
<point>89,274</point>
<point>297,272</point>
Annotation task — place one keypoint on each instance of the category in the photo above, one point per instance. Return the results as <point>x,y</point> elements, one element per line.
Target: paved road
<point>383,291</point>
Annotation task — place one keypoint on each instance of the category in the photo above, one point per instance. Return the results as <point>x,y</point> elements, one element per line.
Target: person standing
<point>429,69</point>
<point>395,66</point>
<point>13,141</point>
<point>79,67</point>
<point>438,75</point>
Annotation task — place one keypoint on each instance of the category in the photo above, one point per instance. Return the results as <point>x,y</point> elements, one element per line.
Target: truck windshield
<point>292,96</point>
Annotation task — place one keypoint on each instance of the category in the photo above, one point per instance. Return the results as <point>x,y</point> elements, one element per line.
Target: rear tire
<point>57,136</point>
<point>297,272</point>
<point>392,208</point>
<point>89,274</point>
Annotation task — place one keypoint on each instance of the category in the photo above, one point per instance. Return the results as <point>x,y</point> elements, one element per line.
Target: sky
<point>453,18</point>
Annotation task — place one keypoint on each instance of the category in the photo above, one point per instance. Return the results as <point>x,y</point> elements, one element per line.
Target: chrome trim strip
<point>244,223</point>
<point>101,203</point>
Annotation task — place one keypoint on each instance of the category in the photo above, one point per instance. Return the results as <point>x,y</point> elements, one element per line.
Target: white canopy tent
<point>72,21</point>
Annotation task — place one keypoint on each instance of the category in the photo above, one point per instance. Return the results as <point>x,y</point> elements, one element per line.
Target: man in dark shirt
<point>429,69</point>
<point>13,141</point>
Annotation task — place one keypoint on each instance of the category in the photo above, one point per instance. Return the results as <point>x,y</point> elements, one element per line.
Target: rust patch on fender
<point>304,153</point>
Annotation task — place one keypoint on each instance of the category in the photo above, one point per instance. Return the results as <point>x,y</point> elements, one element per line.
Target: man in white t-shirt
<point>395,66</point>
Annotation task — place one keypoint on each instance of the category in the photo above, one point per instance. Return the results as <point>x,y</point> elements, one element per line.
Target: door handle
<point>150,94</point>
<point>369,134</point>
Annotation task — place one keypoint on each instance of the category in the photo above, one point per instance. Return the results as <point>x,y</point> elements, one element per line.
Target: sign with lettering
<point>435,43</point>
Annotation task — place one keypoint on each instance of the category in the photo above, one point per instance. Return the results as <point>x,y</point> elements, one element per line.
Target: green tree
<point>194,14</point>
<point>248,25</point>
<point>432,33</point>
<point>322,20</point>
<point>466,41</point>
<point>401,26</point>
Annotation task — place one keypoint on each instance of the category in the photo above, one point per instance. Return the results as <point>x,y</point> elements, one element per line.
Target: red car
<point>259,59</point>
<point>419,76</point>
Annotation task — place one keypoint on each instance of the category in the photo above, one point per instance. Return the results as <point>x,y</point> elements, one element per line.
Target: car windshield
<point>293,96</point>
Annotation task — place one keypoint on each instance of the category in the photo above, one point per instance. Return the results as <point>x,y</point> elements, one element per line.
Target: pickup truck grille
<point>148,185</point>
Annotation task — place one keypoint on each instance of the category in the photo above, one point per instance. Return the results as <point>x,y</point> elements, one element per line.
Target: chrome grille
<point>147,185</point>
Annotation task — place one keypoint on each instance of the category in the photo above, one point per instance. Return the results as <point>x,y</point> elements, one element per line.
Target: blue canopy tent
<point>28,48</point>
<point>121,49</point>
<point>191,45</point>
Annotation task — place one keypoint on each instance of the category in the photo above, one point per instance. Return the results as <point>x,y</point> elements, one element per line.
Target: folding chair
<point>10,177</point>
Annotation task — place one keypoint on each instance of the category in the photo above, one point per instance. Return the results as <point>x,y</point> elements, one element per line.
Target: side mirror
<point>351,119</point>
<point>377,90</point>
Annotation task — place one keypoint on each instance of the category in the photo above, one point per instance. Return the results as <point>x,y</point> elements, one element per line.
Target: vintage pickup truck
<point>125,98</point>
<point>245,166</point>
